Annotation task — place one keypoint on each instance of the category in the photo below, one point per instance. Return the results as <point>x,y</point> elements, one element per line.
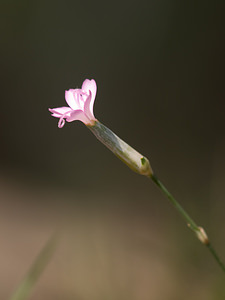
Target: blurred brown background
<point>159,67</point>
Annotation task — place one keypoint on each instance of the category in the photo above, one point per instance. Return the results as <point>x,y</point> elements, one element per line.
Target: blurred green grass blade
<point>25,287</point>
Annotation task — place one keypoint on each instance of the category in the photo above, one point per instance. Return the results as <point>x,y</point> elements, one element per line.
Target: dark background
<point>159,68</point>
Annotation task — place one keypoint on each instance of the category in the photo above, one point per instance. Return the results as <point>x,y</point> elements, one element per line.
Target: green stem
<point>25,287</point>
<point>215,255</point>
<point>180,209</point>
<point>199,231</point>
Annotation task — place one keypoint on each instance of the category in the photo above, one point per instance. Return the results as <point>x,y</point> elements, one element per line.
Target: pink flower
<point>81,102</point>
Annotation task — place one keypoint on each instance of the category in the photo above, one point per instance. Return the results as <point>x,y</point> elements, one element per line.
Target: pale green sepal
<point>122,150</point>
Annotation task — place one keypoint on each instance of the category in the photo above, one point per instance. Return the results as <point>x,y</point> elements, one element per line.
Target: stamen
<point>61,122</point>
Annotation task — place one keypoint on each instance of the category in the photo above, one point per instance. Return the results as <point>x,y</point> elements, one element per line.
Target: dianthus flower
<point>81,102</point>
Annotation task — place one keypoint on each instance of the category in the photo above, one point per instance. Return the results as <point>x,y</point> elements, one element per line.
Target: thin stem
<point>199,231</point>
<point>180,209</point>
<point>215,255</point>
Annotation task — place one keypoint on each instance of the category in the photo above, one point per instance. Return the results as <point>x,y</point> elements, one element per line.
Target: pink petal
<point>71,99</point>
<point>90,85</point>
<point>88,107</point>
<point>78,115</point>
<point>59,111</point>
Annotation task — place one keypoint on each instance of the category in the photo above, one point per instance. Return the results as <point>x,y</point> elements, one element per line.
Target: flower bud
<point>202,236</point>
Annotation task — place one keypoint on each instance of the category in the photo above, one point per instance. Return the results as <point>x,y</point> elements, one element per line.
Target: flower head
<point>81,102</point>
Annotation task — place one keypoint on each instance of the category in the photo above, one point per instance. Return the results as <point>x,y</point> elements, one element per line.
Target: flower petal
<point>59,111</point>
<point>90,85</point>
<point>88,107</point>
<point>71,99</point>
<point>78,115</point>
